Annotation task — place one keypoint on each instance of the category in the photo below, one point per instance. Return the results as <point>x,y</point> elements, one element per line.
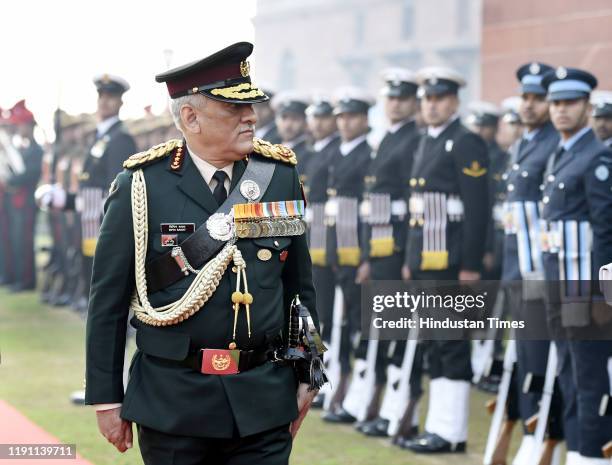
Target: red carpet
<point>17,429</point>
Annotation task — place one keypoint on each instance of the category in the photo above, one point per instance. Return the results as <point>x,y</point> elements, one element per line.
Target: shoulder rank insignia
<point>275,151</point>
<point>475,170</point>
<point>155,153</point>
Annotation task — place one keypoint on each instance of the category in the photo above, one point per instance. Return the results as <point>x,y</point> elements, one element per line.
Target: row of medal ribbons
<point>281,209</point>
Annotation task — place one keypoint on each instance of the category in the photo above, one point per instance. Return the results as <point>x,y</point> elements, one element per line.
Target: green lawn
<point>43,362</point>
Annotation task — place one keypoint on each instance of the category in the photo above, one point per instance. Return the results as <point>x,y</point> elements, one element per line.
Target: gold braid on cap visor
<point>240,91</point>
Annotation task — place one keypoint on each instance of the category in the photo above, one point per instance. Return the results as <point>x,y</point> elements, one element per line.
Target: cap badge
<point>245,68</point>
<point>433,81</point>
<point>534,68</point>
<point>561,73</point>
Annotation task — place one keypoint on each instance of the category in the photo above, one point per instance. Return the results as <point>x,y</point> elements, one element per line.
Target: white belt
<point>498,213</point>
<point>309,215</point>
<point>399,207</point>
<point>365,208</point>
<point>416,205</point>
<point>454,206</point>
<point>331,208</point>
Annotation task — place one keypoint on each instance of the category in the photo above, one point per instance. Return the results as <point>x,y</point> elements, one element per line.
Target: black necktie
<point>522,145</point>
<point>558,155</point>
<point>220,194</point>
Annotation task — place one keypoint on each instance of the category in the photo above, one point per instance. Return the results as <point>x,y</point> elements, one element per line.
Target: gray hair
<point>194,100</point>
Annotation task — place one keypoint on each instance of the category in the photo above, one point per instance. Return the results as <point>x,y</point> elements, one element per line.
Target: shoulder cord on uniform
<point>200,290</point>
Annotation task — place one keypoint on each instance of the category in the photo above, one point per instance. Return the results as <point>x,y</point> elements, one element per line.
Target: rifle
<point>498,440</point>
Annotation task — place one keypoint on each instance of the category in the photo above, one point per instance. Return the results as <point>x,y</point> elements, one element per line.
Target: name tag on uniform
<point>175,228</point>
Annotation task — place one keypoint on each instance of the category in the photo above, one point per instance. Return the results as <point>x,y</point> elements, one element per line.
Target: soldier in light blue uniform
<point>577,241</point>
<point>601,117</point>
<point>521,251</point>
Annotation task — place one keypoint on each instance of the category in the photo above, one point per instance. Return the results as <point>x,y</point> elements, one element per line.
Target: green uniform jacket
<point>162,394</point>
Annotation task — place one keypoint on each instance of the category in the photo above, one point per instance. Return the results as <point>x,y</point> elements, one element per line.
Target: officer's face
<point>352,125</point>
<point>399,108</point>
<point>108,105</point>
<point>570,115</point>
<point>438,109</point>
<point>223,130</point>
<point>533,110</point>
<point>322,126</point>
<point>508,133</point>
<point>264,113</point>
<point>290,125</point>
<point>486,132</point>
<point>602,127</point>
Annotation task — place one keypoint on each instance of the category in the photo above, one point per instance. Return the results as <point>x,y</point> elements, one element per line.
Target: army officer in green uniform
<point>203,239</point>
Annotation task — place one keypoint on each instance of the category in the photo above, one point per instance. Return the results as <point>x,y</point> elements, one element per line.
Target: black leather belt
<point>164,270</point>
<point>248,359</point>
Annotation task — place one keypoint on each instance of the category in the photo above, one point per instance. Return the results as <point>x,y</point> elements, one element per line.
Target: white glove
<point>50,196</point>
<point>605,282</point>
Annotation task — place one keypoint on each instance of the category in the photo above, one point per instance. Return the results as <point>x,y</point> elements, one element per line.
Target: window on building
<point>408,19</point>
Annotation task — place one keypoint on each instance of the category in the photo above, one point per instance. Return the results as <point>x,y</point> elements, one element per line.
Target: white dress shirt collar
<point>436,131</point>
<point>298,140</point>
<point>399,125</point>
<point>347,147</point>
<point>207,171</point>
<point>264,129</point>
<point>321,144</point>
<point>103,126</point>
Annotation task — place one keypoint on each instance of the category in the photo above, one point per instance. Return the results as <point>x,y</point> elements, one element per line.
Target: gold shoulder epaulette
<point>155,153</point>
<point>275,151</point>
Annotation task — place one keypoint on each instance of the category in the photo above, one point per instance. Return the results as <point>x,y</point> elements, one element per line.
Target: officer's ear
<point>189,119</point>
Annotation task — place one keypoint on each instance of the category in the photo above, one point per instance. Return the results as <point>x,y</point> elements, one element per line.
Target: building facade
<point>564,32</point>
<point>322,44</point>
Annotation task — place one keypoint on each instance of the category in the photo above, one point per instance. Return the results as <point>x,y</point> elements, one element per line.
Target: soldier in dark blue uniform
<point>266,125</point>
<point>349,166</point>
<point>384,213</point>
<point>522,253</point>
<point>21,186</point>
<point>577,241</point>
<point>510,126</point>
<point>484,120</point>
<point>289,108</point>
<point>322,125</point>
<point>449,211</point>
<point>601,117</point>
<point>111,146</point>
<point>203,239</point>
